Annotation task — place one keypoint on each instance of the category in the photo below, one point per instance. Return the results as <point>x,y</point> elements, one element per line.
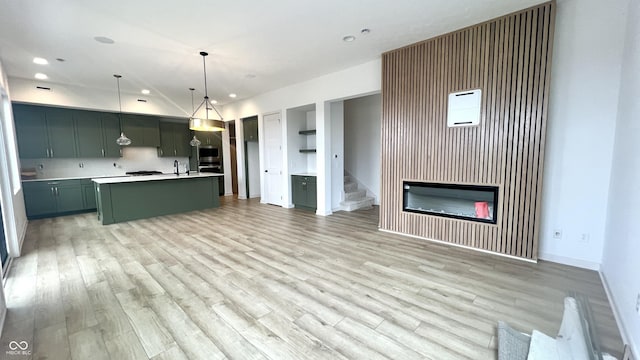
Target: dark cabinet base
<point>304,192</point>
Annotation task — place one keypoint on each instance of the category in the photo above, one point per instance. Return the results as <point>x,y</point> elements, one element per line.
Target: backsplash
<point>133,159</point>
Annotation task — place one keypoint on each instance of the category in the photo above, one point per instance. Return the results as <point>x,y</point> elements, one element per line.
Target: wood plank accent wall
<point>509,58</point>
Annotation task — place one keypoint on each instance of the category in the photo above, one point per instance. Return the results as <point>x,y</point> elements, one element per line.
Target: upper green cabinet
<point>174,139</point>
<point>209,138</point>
<point>31,131</point>
<point>97,133</point>
<point>45,132</point>
<point>142,130</point>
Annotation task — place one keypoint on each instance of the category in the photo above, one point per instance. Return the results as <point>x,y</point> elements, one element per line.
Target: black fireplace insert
<point>458,201</point>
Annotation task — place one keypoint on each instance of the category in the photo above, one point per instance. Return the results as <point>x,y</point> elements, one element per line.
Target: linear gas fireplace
<point>468,202</point>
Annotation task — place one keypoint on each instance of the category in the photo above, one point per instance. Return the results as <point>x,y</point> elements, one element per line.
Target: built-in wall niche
<point>466,202</point>
<point>301,139</point>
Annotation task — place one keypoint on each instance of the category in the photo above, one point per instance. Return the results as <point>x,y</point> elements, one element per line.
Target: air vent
<point>43,88</point>
<point>464,108</point>
<point>142,100</point>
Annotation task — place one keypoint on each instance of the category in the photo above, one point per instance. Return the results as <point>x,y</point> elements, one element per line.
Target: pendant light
<point>205,124</point>
<point>194,142</point>
<point>123,140</point>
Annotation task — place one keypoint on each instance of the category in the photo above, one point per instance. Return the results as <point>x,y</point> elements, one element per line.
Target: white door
<point>273,159</point>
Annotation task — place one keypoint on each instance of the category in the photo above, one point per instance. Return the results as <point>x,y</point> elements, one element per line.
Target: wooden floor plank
<point>274,283</point>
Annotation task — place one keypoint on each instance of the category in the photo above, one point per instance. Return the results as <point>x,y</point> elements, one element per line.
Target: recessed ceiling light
<point>214,101</point>
<point>145,91</point>
<point>365,31</point>
<point>41,76</point>
<point>60,59</point>
<point>43,88</point>
<point>40,61</point>
<point>232,95</point>
<point>348,38</point>
<point>103,40</point>
<point>142,100</point>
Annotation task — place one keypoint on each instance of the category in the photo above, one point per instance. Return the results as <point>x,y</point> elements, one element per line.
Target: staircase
<point>354,198</point>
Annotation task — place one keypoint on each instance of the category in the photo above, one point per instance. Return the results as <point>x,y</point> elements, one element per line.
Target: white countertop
<point>305,174</point>
<point>123,179</point>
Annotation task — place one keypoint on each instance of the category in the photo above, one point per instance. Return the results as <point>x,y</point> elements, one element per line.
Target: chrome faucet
<point>176,166</point>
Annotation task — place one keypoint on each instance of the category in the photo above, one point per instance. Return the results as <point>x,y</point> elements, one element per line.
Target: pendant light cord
<point>119,100</point>
<point>206,93</point>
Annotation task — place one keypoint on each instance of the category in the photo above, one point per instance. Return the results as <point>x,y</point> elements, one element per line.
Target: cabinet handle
<point>57,194</point>
<point>52,152</point>
<point>102,152</point>
<point>47,152</point>
<point>52,193</point>
<point>304,184</point>
<point>175,152</point>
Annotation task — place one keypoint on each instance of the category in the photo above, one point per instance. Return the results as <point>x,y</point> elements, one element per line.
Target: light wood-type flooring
<point>254,281</point>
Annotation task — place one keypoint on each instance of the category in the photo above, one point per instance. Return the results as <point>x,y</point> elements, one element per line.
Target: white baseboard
<point>616,314</point>
<point>228,194</point>
<point>459,246</point>
<point>570,261</point>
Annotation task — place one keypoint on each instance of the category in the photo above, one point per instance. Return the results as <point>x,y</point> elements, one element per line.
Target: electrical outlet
<point>584,238</point>
<point>557,234</point>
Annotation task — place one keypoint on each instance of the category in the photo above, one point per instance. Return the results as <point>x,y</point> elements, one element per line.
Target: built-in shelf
<point>307,132</point>
<point>307,150</point>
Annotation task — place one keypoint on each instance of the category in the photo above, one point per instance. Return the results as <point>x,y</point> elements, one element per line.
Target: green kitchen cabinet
<point>304,191</point>
<point>88,194</point>
<point>96,134</point>
<point>51,198</point>
<point>39,199</point>
<point>142,130</point>
<point>44,132</point>
<point>60,128</point>
<point>89,133</point>
<point>110,133</point>
<point>210,138</point>
<point>174,139</point>
<point>250,127</point>
<point>31,131</point>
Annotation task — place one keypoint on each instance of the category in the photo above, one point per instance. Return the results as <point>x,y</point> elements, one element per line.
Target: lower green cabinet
<point>304,191</point>
<point>57,197</point>
<point>88,194</point>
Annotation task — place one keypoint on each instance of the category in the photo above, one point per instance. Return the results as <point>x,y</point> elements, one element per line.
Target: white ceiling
<point>157,42</point>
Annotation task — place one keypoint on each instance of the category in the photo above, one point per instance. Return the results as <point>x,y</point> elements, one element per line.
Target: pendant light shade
<point>205,124</point>
<point>195,141</point>
<point>123,140</point>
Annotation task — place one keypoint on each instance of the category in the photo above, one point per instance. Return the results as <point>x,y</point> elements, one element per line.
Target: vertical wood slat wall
<point>509,58</point>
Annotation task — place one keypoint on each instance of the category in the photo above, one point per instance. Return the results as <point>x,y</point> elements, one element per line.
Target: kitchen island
<point>120,199</point>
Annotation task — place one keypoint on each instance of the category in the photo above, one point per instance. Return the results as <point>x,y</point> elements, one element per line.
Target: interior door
<point>273,159</point>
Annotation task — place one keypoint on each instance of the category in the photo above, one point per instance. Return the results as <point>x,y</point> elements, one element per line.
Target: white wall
<point>359,80</point>
<point>362,126</point>
<point>620,263</point>
<point>23,90</point>
<point>13,210</point>
<point>585,83</point>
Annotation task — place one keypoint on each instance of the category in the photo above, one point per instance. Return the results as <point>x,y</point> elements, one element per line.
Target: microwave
<point>209,154</point>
